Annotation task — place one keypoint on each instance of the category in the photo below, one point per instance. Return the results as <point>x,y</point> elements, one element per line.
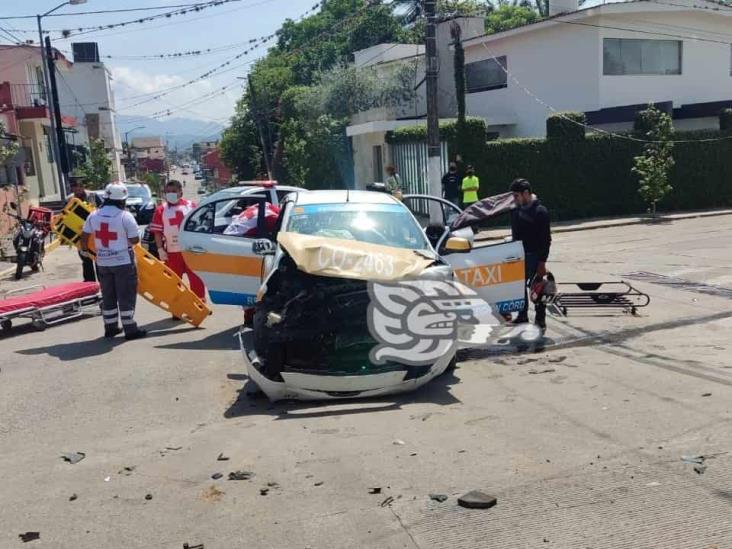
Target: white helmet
<point>116,191</point>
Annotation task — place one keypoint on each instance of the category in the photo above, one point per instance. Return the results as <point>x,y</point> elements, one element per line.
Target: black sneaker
<point>111,332</point>
<point>139,334</point>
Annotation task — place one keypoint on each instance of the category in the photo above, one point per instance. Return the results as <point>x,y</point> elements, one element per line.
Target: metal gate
<point>410,160</point>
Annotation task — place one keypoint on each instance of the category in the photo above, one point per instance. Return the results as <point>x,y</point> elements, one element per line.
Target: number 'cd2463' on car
<point>308,279</point>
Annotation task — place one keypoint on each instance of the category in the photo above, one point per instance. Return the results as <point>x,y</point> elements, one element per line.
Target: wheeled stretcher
<point>596,296</point>
<point>49,306</point>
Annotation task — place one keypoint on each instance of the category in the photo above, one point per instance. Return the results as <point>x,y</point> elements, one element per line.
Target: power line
<point>13,38</point>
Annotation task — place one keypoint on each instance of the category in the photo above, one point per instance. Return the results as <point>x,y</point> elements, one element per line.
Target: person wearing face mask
<point>165,228</point>
<point>451,184</point>
<point>530,223</point>
<point>78,191</point>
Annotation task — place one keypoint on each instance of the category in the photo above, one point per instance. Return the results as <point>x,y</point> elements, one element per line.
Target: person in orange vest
<point>165,228</point>
<point>115,231</point>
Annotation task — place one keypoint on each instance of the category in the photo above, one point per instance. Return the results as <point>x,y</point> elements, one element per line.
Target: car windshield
<point>138,192</point>
<point>383,224</point>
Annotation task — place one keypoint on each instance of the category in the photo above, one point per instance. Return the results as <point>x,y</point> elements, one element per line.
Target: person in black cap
<point>530,223</point>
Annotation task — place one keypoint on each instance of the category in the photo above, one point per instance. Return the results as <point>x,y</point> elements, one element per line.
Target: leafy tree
<point>655,164</point>
<point>97,170</point>
<point>8,148</point>
<point>507,16</point>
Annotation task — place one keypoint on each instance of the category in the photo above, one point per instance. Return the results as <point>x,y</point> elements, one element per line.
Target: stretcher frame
<point>43,317</point>
<point>597,296</point>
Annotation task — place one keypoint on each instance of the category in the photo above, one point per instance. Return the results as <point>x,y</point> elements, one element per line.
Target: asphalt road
<point>585,452</point>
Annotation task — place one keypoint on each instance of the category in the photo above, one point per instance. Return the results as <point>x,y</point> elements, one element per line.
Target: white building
<point>152,148</point>
<point>86,92</point>
<point>368,129</point>
<point>608,61</point>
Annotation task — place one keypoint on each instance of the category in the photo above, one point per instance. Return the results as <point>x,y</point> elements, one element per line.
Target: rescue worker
<point>451,184</point>
<point>165,228</point>
<point>530,223</point>
<point>394,181</point>
<point>115,231</point>
<point>78,191</point>
<point>470,187</point>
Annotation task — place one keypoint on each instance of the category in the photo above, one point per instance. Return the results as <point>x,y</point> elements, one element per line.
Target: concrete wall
<point>44,184</point>
<point>705,68</point>
<point>363,158</point>
<point>86,89</point>
<point>560,65</point>
<point>557,64</point>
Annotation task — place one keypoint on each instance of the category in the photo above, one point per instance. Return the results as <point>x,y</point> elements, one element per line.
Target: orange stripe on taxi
<point>490,275</point>
<point>224,264</point>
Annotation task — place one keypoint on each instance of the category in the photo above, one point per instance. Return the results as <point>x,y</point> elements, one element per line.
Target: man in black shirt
<point>530,224</point>
<point>451,182</point>
<point>78,191</point>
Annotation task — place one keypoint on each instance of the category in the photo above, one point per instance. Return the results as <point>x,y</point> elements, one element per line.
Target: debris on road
<point>263,491</point>
<point>388,501</point>
<point>693,459</point>
<point>273,485</point>
<point>73,497</point>
<point>319,483</point>
<point>374,490</point>
<point>127,471</point>
<point>174,448</point>
<point>148,497</point>
<point>438,497</point>
<point>398,442</point>
<point>216,476</point>
<point>240,475</point>
<point>73,457</point>
<point>707,394</point>
<point>544,371</point>
<point>199,546</point>
<point>476,499</point>
<point>700,469</point>
<point>107,479</point>
<point>29,536</point>
<point>222,457</point>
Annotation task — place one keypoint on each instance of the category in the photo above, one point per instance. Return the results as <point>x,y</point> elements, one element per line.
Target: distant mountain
<point>182,132</point>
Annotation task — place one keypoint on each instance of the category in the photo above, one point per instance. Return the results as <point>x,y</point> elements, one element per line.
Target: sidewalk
<point>607,223</point>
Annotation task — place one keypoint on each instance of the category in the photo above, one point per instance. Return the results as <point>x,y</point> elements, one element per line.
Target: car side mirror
<point>262,246</point>
<point>457,244</point>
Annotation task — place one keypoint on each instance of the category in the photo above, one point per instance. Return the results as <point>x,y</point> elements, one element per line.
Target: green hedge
<point>725,120</point>
<point>593,177</point>
<point>590,177</point>
<point>566,125</point>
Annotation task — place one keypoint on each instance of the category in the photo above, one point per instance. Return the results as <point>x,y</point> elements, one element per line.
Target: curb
<point>610,224</point>
<point>50,248</point>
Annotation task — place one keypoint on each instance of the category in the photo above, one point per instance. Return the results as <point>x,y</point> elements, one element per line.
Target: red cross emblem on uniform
<point>105,235</point>
<point>177,219</point>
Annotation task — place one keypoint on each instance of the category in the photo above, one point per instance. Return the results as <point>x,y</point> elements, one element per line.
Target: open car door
<point>494,270</point>
<point>227,264</point>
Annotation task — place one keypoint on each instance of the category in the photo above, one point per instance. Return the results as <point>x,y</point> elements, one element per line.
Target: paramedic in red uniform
<point>165,227</point>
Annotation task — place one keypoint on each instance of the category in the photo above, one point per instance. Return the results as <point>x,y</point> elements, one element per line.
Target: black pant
<point>532,264</point>
<point>88,268</point>
<point>119,296</point>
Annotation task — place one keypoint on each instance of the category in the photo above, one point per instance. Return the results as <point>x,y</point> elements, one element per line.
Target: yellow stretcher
<point>156,282</point>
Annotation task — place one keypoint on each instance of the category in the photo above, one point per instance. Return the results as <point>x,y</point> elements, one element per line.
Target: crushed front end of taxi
<point>318,333</point>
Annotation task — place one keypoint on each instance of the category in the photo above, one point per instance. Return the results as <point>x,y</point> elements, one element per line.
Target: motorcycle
<point>29,244</point>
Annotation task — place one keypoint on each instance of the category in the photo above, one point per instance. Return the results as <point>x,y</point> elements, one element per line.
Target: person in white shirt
<point>115,231</point>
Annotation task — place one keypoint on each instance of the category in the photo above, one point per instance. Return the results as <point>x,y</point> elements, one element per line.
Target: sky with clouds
<point>227,28</point>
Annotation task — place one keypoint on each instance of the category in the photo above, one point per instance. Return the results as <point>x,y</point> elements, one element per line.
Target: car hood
<point>340,258</point>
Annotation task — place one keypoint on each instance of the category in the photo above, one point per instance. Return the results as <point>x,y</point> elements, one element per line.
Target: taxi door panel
<point>495,272</point>
<point>228,266</point>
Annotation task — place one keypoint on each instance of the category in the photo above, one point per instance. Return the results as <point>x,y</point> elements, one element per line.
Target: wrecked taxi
<point>352,296</point>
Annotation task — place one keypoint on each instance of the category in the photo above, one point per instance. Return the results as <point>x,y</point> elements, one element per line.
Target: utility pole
<point>433,120</point>
<point>55,151</point>
<point>258,119</point>
<point>60,136</point>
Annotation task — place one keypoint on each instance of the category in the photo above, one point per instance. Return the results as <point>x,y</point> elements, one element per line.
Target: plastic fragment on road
<point>73,457</point>
<point>29,536</point>
<point>476,499</point>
